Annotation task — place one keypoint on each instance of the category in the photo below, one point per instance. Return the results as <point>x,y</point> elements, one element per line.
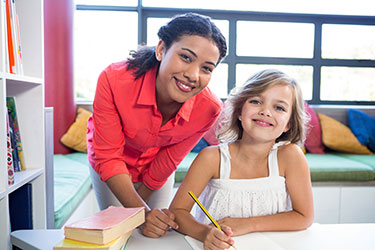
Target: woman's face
<point>185,68</point>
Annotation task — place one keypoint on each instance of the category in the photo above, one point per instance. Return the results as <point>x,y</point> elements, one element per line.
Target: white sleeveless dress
<point>242,198</point>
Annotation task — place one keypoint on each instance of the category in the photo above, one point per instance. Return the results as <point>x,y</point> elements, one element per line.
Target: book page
<point>253,241</point>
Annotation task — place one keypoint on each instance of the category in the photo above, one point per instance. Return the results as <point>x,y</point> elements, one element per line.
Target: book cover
<point>11,104</point>
<point>244,242</point>
<point>10,166</point>
<point>20,208</point>
<point>13,144</point>
<point>10,38</point>
<point>106,225</point>
<point>119,243</point>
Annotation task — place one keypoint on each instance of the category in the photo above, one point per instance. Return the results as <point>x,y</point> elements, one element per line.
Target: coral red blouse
<point>125,134</point>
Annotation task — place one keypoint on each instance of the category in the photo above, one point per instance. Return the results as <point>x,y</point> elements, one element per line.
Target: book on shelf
<point>10,166</point>
<point>13,145</point>
<point>20,208</point>
<point>14,59</point>
<point>13,120</point>
<point>106,225</point>
<point>116,244</point>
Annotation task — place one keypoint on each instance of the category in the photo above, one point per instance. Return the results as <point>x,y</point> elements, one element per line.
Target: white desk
<point>317,237</point>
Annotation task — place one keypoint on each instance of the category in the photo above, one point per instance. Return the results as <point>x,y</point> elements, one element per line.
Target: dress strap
<point>224,161</point>
<point>273,165</point>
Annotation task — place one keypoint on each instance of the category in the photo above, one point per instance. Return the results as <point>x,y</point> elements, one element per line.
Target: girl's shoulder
<point>290,155</point>
<point>209,157</point>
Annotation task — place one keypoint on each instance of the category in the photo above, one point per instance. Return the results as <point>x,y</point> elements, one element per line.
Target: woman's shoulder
<point>207,97</point>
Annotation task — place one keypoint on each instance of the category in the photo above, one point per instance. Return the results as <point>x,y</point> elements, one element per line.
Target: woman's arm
<point>204,167</point>
<point>297,176</point>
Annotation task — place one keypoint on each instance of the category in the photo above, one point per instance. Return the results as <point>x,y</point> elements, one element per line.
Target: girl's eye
<point>185,57</point>
<point>254,101</point>
<point>280,108</point>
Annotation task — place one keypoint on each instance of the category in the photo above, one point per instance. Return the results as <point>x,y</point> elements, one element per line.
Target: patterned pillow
<point>313,142</point>
<point>75,137</point>
<point>363,127</point>
<point>339,137</point>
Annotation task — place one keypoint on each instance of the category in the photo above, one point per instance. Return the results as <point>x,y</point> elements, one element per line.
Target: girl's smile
<point>266,116</point>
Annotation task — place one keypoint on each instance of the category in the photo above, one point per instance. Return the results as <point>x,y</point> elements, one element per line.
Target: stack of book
<point>109,229</point>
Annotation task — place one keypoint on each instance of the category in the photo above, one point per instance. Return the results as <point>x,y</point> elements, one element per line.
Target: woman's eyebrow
<point>195,55</point>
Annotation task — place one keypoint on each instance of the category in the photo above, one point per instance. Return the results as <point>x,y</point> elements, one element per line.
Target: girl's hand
<point>217,239</point>
<point>157,222</point>
<point>238,225</point>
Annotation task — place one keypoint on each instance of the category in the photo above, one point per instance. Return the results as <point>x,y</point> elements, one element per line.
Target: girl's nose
<point>265,112</point>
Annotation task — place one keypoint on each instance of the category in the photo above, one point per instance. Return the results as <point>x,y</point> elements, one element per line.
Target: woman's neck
<point>168,110</point>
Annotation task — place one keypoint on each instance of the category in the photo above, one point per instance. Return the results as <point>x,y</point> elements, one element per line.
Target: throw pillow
<point>339,137</point>
<point>363,127</point>
<point>75,137</point>
<point>313,142</point>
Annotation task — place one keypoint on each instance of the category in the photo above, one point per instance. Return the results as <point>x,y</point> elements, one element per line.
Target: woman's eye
<point>207,69</point>
<point>185,57</point>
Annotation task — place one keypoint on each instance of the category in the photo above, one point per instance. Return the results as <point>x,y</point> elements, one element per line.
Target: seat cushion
<point>333,167</point>
<point>183,167</point>
<point>71,183</point>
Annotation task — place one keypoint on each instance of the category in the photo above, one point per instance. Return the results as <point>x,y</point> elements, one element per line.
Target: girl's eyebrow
<point>283,102</point>
<point>195,55</point>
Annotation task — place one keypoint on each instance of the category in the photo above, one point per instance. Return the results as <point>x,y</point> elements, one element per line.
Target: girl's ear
<point>159,51</point>
<point>287,127</point>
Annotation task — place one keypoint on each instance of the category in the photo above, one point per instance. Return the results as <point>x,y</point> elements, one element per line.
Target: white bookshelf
<point>29,92</point>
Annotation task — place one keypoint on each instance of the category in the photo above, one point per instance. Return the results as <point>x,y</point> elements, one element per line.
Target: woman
<point>149,112</point>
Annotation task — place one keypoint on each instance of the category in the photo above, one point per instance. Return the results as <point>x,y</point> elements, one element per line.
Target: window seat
<point>72,183</point>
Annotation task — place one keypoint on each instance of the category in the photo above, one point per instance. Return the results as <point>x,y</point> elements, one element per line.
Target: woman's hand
<point>158,221</point>
<point>217,239</point>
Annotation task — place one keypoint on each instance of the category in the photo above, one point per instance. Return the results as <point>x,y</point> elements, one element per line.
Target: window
<point>328,47</point>
<point>100,38</point>
<point>275,39</point>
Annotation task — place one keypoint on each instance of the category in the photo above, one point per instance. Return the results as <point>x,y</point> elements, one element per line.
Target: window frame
<point>232,59</point>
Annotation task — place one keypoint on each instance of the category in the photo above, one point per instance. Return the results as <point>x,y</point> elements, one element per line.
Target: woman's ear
<point>159,51</point>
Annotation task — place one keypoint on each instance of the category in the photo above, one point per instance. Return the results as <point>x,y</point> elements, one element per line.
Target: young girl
<point>258,178</point>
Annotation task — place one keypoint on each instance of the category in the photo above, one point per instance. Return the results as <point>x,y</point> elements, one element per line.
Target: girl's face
<point>185,68</point>
<point>266,116</point>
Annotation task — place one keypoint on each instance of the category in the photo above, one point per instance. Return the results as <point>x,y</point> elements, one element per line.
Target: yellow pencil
<point>206,212</point>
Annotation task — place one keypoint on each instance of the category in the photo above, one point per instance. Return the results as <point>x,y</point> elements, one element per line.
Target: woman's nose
<point>192,74</point>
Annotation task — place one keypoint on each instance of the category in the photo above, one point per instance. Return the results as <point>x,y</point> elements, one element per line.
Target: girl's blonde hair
<point>230,128</point>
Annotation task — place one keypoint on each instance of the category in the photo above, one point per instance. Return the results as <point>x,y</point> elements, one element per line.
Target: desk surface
<point>319,236</point>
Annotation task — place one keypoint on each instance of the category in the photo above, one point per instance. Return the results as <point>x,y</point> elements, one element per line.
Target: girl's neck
<point>252,151</point>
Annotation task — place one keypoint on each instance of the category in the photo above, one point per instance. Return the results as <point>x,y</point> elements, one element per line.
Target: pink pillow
<point>313,142</point>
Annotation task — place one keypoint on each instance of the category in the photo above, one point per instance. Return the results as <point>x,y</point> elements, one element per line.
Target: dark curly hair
<point>144,58</point>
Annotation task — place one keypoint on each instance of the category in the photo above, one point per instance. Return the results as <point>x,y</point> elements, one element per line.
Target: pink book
<point>106,225</point>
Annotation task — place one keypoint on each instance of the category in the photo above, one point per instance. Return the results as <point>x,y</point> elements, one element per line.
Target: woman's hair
<point>230,128</point>
<point>144,58</point>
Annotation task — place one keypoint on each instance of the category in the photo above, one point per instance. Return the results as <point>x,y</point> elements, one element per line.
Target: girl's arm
<point>297,175</point>
<point>203,168</point>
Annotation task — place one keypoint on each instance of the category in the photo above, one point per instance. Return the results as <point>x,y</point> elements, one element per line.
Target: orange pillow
<point>75,137</point>
<point>339,137</point>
